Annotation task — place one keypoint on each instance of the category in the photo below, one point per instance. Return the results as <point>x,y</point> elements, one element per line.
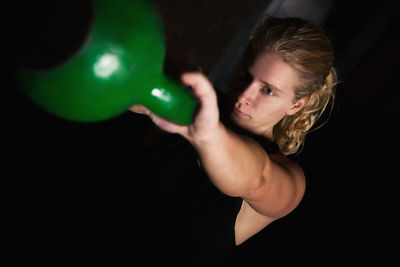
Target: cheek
<point>272,109</point>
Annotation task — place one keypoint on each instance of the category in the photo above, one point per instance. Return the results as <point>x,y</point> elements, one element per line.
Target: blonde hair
<point>305,47</point>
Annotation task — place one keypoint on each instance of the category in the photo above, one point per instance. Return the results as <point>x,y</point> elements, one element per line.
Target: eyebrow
<point>275,88</point>
<point>272,86</point>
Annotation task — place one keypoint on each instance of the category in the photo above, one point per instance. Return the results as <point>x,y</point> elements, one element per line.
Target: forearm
<point>234,163</point>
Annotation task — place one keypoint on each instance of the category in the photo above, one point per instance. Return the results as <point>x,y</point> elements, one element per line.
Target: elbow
<point>248,184</point>
<point>244,187</point>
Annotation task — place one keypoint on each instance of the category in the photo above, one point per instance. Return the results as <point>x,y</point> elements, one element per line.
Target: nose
<point>248,95</point>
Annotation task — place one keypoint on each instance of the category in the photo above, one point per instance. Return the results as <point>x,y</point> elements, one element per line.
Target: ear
<point>298,105</point>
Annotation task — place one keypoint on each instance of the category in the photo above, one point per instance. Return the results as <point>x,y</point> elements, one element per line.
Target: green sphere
<point>120,64</point>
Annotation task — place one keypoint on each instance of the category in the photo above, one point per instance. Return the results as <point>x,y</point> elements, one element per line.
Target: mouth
<point>240,113</point>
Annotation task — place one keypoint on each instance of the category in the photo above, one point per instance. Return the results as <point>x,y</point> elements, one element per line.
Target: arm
<point>237,165</point>
<point>233,162</point>
<point>271,184</point>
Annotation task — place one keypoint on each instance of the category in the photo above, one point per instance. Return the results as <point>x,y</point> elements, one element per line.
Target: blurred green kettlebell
<point>119,63</point>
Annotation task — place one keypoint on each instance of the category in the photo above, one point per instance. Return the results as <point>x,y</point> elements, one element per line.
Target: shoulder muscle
<point>281,188</point>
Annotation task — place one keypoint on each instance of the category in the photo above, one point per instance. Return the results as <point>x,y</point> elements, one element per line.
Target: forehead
<point>273,70</point>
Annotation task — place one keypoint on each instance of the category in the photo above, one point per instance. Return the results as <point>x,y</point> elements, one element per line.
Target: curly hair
<point>306,48</point>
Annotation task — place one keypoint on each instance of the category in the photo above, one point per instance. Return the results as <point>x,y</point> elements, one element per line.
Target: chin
<point>238,120</point>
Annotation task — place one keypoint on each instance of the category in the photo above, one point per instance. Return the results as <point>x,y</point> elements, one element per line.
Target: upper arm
<point>280,190</point>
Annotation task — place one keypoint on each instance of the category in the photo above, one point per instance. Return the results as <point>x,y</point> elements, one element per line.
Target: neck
<point>269,134</point>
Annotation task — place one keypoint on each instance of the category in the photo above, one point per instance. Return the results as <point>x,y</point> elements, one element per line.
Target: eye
<point>268,91</point>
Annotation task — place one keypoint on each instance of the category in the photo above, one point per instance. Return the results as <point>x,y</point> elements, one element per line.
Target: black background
<point>84,184</point>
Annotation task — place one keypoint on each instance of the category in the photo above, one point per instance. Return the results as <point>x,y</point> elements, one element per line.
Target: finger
<point>198,82</point>
<point>140,109</point>
<point>167,125</point>
<point>145,111</point>
<point>159,121</point>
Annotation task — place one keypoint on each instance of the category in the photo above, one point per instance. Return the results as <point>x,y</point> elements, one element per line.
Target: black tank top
<point>213,222</point>
<point>198,218</point>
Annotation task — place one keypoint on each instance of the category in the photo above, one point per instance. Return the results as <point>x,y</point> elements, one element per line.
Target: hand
<point>206,121</point>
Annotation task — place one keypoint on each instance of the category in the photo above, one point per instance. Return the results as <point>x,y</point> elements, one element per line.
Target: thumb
<point>199,83</point>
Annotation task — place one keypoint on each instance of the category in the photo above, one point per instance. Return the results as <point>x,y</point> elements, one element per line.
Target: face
<point>268,97</point>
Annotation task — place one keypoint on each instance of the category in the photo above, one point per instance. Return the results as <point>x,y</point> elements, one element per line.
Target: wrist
<point>212,137</point>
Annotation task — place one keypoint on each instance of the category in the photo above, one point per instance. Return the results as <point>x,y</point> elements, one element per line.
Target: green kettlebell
<point>119,64</point>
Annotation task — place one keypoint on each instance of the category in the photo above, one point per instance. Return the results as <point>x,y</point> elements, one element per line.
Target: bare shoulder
<point>279,194</point>
<point>292,167</point>
<point>281,189</point>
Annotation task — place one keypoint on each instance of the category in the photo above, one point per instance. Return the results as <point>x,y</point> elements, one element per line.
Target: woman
<point>286,83</point>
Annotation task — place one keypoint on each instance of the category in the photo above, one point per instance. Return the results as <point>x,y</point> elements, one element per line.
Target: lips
<point>240,113</point>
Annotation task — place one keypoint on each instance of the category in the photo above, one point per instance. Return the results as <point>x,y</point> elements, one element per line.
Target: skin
<point>269,96</point>
<point>271,186</point>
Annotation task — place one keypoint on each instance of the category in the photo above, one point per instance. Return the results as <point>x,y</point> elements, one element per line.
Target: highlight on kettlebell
<point>118,63</point>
